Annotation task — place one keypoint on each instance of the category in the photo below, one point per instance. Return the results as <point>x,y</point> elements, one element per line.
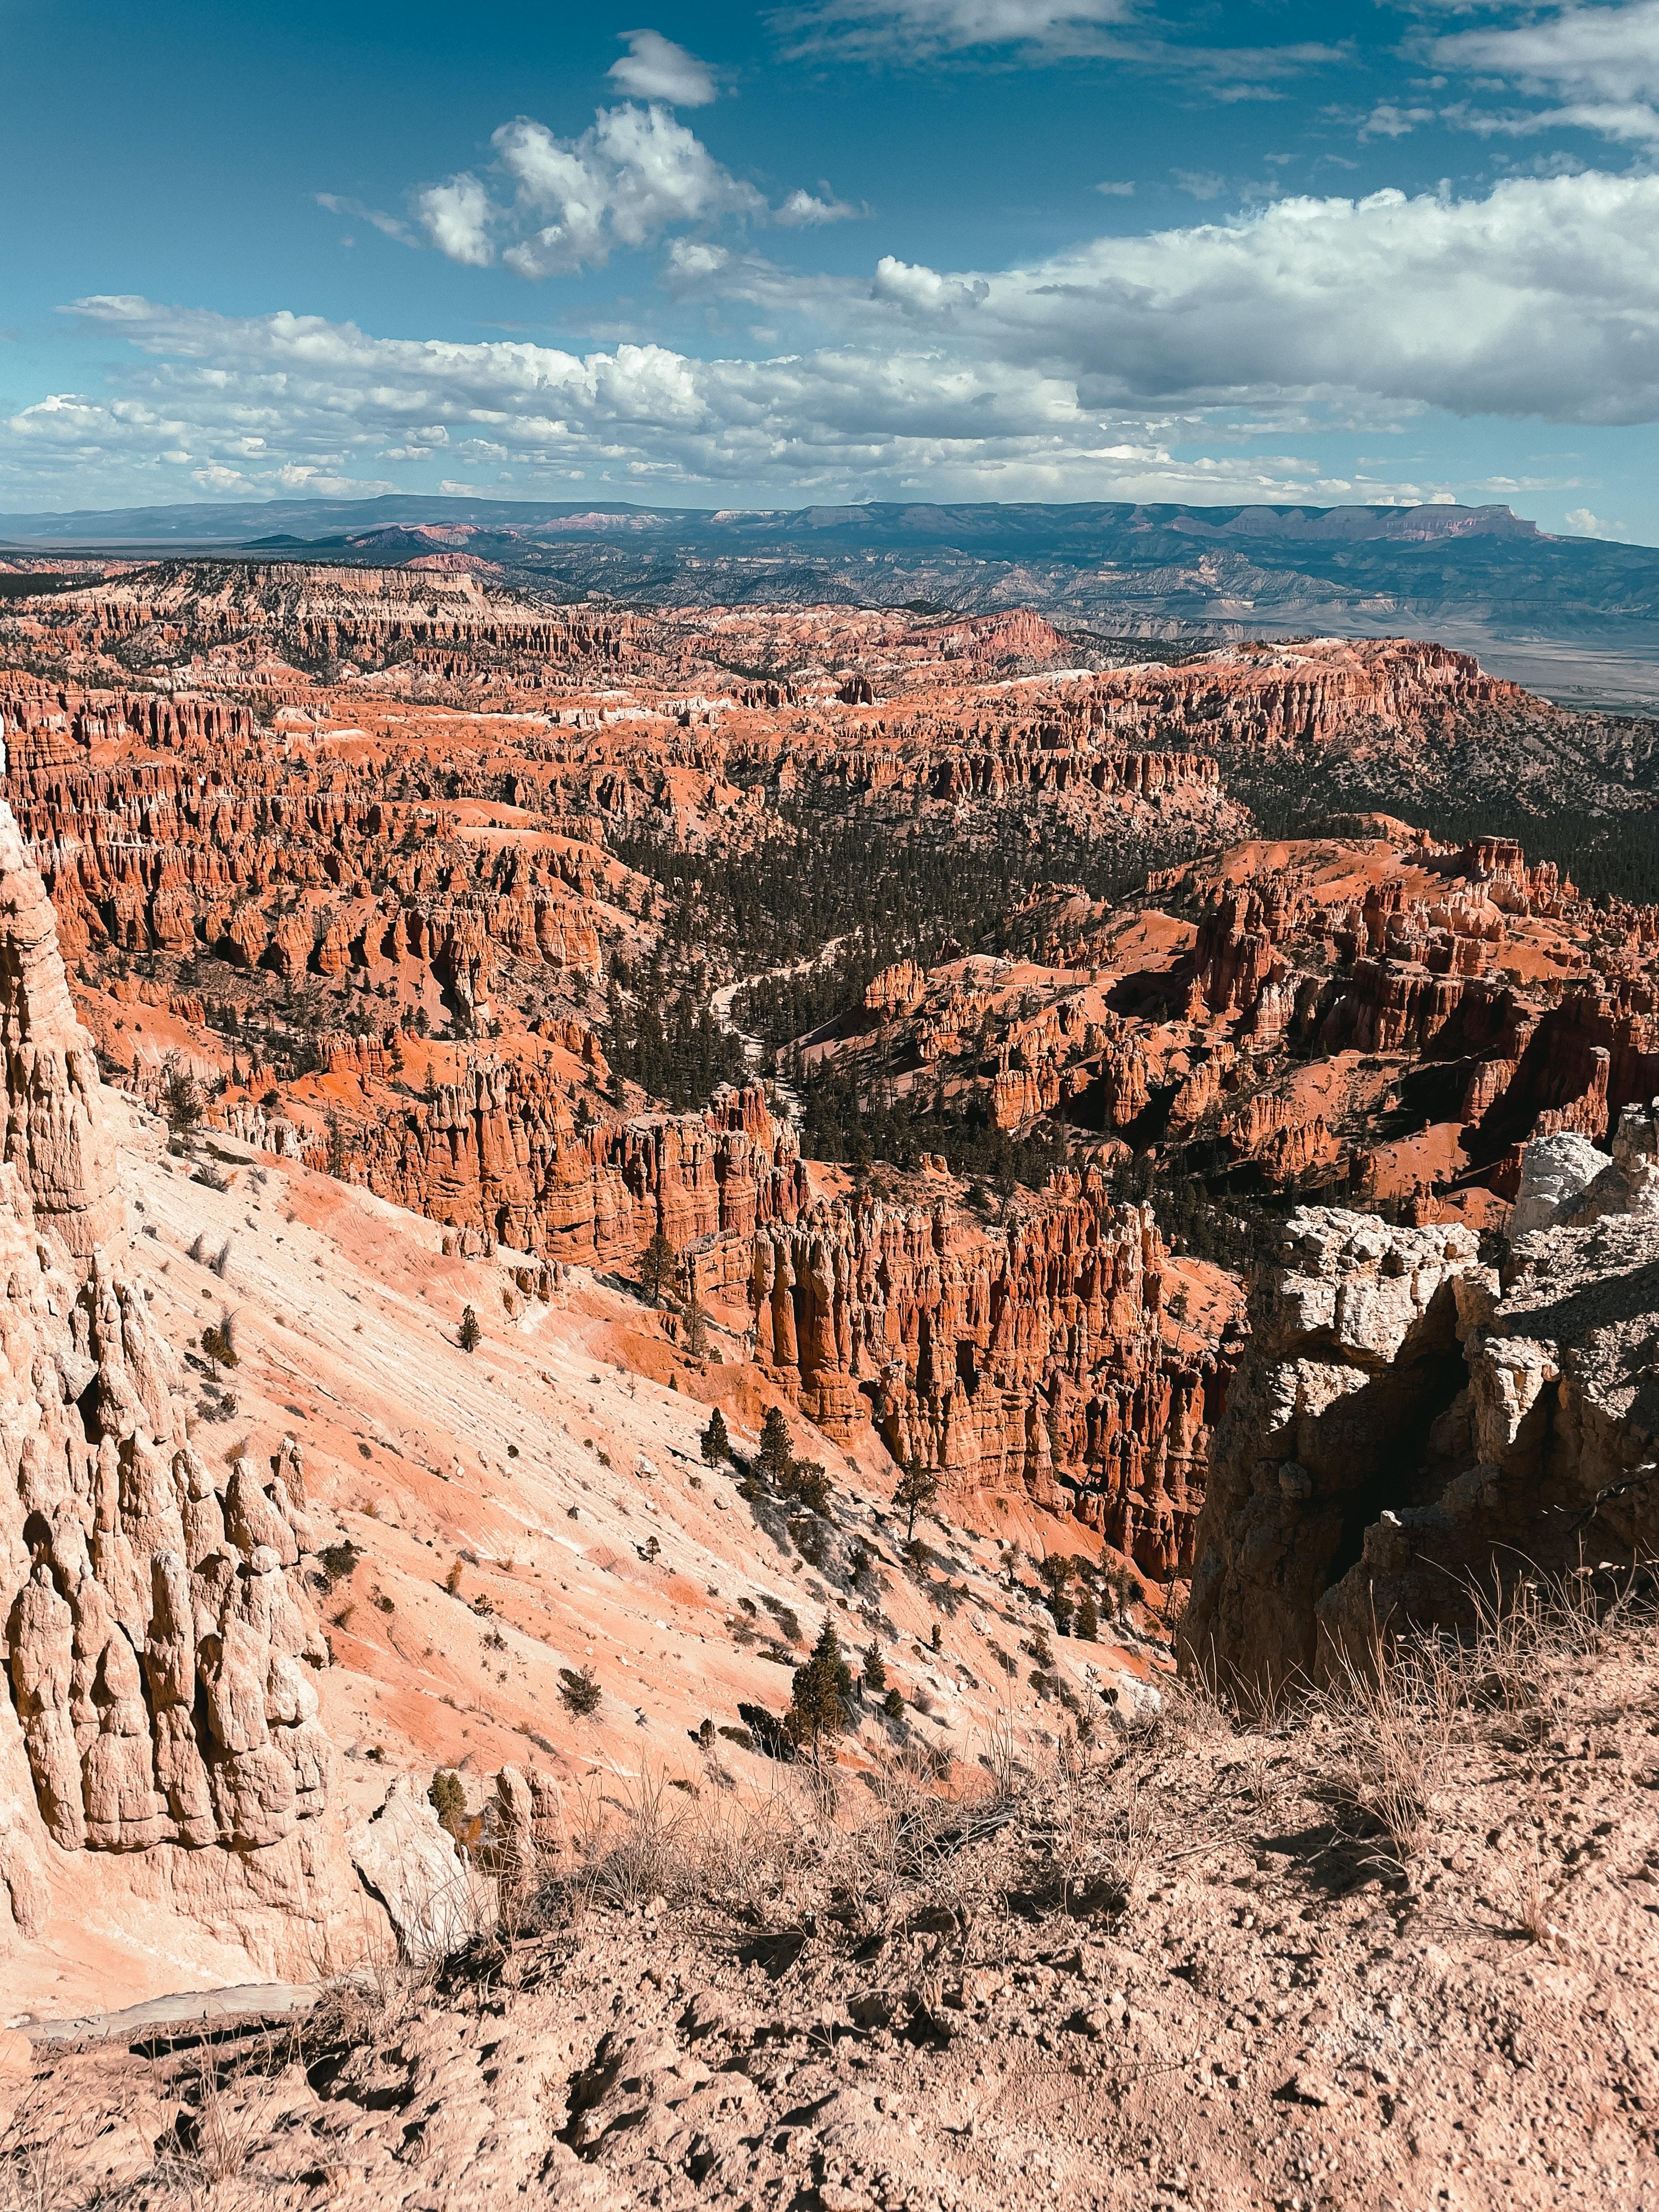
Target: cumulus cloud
<point>1583,524</point>
<point>1542,299</point>
<point>554,205</point>
<point>655,67</point>
<point>1079,374</point>
<point>1599,65</point>
<point>255,394</point>
<point>459,217</point>
<point>635,174</point>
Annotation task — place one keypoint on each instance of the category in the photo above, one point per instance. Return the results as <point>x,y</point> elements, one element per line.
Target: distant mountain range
<point>1575,616</point>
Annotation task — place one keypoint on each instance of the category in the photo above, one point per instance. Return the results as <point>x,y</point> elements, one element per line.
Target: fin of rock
<point>57,1135</point>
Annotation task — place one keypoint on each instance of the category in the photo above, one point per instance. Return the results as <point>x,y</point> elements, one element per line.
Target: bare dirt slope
<point>535,1509</point>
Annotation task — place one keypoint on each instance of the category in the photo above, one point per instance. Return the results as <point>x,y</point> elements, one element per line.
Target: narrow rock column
<point>55,1133</point>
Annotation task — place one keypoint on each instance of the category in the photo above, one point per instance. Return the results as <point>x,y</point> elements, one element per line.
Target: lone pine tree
<point>917,1486</point>
<point>776,1456</point>
<point>657,1265</point>
<point>824,1686</point>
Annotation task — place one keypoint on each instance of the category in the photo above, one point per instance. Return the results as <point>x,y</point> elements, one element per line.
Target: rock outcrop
<point>55,1135</point>
<point>1406,1429</point>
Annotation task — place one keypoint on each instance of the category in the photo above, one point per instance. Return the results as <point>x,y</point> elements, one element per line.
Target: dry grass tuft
<point>1393,1717</point>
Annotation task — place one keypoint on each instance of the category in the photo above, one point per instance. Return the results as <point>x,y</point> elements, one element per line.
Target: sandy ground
<point>1185,1970</point>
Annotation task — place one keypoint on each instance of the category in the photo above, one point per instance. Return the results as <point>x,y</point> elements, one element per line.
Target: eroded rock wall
<point>501,1153</point>
<point>1037,1357</point>
<point>158,1657</point>
<point>55,1134</point>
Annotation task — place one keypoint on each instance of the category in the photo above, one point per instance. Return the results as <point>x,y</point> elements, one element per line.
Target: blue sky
<point>1213,250</point>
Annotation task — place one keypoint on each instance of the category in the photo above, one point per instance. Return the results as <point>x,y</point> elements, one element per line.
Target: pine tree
<point>1088,1619</point>
<point>807,1482</point>
<point>716,1444</point>
<point>875,1670</point>
<point>472,1335</point>
<point>917,1486</point>
<point>697,1329</point>
<point>823,1687</point>
<point>447,1798</point>
<point>776,1456</point>
<point>657,1265</point>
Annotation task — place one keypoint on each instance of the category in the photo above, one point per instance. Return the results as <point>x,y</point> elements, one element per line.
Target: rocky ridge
<point>1411,1427</point>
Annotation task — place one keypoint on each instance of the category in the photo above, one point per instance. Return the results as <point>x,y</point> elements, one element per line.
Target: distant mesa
<point>1475,577</point>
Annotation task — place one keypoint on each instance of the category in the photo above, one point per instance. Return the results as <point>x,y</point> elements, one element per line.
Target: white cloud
<point>1078,375</point>
<point>1599,65</point>
<point>655,67</point>
<point>1115,191</point>
<point>1631,121</point>
<point>560,204</point>
<point>327,398</point>
<point>1542,299</point>
<point>1386,120</point>
<point>693,260</point>
<point>916,290</point>
<point>636,173</point>
<point>1607,53</point>
<point>458,217</point>
<point>808,208</point>
<point>917,28</point>
<point>1583,524</point>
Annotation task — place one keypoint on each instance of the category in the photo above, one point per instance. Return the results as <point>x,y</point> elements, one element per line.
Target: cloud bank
<point>1075,375</point>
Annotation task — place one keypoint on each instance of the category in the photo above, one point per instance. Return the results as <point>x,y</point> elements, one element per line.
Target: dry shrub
<point>369,2006</point>
<point>1528,1899</point>
<point>625,1852</point>
<point>1192,1716</point>
<point>1102,1831</point>
<point>226,2117</point>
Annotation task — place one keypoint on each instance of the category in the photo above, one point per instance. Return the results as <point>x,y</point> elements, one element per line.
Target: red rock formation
<point>1038,1359</point>
<point>501,1154</point>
